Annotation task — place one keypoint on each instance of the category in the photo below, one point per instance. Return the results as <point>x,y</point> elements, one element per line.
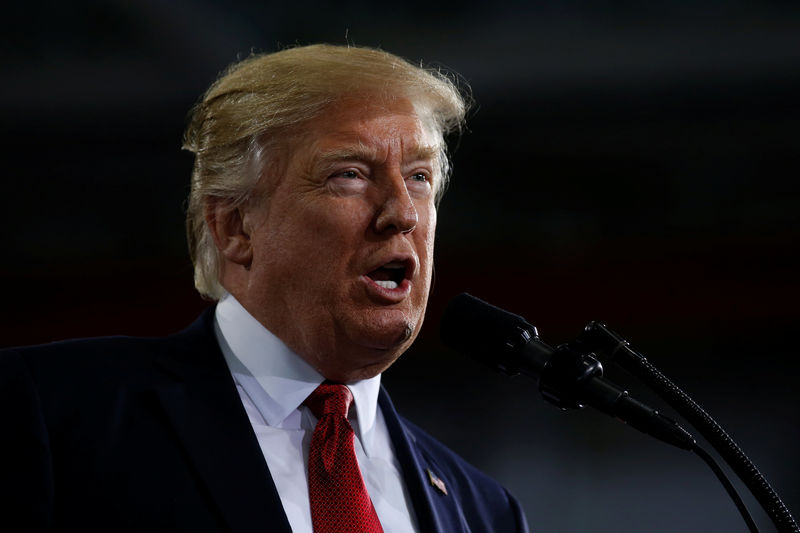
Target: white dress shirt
<point>273,382</point>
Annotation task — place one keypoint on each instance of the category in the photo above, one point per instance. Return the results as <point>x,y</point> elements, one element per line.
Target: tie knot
<point>330,398</point>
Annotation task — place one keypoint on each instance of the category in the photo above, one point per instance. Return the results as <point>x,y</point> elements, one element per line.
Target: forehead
<point>370,129</point>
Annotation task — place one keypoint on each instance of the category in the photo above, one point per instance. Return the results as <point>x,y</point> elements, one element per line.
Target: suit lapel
<point>436,510</point>
<point>200,399</point>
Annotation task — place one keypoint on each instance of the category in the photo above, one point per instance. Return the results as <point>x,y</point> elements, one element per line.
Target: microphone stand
<point>570,376</point>
<point>602,341</point>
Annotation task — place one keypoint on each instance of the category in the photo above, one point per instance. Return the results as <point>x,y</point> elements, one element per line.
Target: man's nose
<point>397,210</point>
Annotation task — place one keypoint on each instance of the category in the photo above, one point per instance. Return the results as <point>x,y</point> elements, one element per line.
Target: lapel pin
<point>436,481</point>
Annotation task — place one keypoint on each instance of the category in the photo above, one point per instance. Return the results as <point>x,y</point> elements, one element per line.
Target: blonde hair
<point>235,128</point>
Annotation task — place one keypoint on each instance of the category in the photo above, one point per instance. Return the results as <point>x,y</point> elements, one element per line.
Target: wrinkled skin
<point>355,191</point>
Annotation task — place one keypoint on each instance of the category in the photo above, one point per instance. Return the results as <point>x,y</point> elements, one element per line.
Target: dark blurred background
<point>631,162</point>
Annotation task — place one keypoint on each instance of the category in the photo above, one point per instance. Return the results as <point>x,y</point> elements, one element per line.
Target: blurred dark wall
<point>636,164</point>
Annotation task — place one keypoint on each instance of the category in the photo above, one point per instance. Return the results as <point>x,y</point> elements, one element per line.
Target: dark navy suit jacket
<point>137,434</point>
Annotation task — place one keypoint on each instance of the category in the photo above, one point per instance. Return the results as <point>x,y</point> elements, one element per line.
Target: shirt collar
<point>277,379</point>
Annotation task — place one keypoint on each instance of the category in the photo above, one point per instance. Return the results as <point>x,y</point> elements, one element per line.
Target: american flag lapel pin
<point>436,481</point>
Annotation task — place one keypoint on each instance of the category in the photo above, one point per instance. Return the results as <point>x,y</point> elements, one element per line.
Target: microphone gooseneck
<point>612,346</point>
<point>570,376</point>
<point>567,376</point>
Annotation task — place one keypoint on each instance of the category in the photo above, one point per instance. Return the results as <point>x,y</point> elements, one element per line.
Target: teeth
<point>388,284</point>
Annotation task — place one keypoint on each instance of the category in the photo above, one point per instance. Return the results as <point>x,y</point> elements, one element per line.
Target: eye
<point>347,174</point>
<point>350,174</point>
<point>420,183</point>
<point>347,181</point>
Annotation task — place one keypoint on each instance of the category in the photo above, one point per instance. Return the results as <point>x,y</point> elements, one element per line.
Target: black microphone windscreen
<point>479,329</point>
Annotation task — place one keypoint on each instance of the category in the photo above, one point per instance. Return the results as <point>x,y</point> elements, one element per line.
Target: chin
<point>371,344</point>
<point>388,331</point>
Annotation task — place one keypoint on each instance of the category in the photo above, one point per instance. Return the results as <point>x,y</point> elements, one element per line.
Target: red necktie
<point>339,499</point>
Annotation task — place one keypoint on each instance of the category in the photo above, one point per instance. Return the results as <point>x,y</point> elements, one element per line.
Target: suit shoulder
<point>97,352</point>
<point>106,354</point>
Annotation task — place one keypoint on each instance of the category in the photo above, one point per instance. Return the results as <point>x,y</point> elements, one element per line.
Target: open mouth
<point>390,275</point>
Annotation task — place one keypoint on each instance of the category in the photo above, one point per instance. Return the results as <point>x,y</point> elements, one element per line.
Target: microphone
<point>568,376</point>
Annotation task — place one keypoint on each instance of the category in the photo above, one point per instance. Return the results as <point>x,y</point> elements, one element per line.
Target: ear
<point>227,227</point>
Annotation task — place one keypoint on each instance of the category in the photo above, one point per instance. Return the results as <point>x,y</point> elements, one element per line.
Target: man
<point>311,219</point>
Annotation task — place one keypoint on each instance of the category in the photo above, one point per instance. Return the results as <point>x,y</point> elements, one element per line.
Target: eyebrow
<point>362,152</point>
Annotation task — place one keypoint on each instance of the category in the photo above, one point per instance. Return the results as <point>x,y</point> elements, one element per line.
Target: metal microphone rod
<point>602,341</point>
<point>729,488</point>
<point>568,376</point>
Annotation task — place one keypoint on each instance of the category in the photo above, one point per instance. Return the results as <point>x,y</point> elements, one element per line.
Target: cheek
<point>332,236</point>
<point>340,229</point>
<point>429,231</point>
<point>331,221</point>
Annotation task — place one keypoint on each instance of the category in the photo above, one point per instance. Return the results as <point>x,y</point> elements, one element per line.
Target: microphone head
<point>485,332</point>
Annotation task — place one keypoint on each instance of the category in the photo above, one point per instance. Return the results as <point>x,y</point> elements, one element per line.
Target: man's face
<point>342,239</point>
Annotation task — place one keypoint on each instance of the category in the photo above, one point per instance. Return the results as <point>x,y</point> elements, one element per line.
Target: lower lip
<point>385,295</point>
